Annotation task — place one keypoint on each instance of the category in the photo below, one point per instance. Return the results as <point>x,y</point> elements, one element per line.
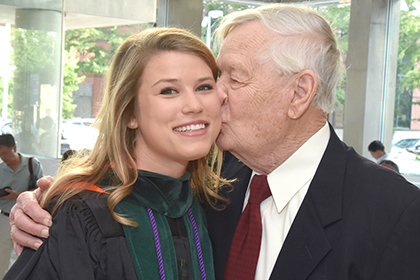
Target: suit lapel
<point>235,169</point>
<point>307,243</point>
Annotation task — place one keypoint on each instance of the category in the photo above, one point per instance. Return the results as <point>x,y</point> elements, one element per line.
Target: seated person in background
<point>377,150</point>
<point>157,125</point>
<point>14,173</point>
<point>390,164</point>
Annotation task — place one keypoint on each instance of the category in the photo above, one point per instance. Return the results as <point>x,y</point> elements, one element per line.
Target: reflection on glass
<point>36,83</point>
<point>30,74</point>
<point>406,147</point>
<point>339,17</point>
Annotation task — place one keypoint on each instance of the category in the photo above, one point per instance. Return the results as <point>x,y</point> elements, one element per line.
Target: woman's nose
<point>192,104</point>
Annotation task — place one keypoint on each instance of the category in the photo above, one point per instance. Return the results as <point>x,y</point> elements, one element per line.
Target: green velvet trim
<point>170,197</point>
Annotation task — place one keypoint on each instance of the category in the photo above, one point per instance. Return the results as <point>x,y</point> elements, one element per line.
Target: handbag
<point>32,177</point>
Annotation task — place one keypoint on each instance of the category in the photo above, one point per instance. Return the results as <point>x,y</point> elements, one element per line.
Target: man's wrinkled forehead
<point>229,58</point>
<point>245,39</point>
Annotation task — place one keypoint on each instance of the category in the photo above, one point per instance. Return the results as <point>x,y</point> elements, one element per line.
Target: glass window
<point>30,69</point>
<point>339,17</point>
<point>406,138</point>
<point>88,53</point>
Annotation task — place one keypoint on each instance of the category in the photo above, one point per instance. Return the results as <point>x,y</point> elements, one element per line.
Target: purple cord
<point>158,249</point>
<point>157,243</point>
<point>197,241</point>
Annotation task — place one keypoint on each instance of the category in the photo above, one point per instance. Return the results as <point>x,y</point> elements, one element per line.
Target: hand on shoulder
<point>28,219</point>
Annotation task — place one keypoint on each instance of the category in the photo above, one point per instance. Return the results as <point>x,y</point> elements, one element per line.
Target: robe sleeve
<point>75,249</point>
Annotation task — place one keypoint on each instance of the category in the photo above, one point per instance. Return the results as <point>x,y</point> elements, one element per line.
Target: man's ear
<point>305,88</point>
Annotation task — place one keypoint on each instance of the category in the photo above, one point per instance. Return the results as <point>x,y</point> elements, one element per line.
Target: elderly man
<point>330,213</point>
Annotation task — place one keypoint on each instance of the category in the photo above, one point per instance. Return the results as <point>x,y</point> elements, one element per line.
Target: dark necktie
<point>246,243</point>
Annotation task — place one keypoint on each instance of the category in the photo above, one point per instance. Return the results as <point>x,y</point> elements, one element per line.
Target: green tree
<point>34,55</point>
<point>71,81</point>
<point>209,5</point>
<point>339,18</point>
<point>408,78</point>
<point>30,45</point>
<point>10,96</point>
<point>89,52</point>
<point>96,46</point>
<point>89,44</point>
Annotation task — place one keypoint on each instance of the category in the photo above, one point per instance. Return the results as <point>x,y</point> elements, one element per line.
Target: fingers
<point>44,183</point>
<point>22,239</point>
<point>27,224</point>
<point>28,203</point>
<point>28,219</point>
<point>21,225</point>
<point>17,248</point>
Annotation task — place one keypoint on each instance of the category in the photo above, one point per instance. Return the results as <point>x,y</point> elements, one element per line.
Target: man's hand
<point>27,218</point>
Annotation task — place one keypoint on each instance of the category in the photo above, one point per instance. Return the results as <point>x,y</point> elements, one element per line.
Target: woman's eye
<point>204,87</point>
<point>168,91</point>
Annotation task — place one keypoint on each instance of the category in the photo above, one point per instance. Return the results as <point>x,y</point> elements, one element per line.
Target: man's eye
<point>168,91</point>
<point>204,87</point>
<point>236,84</point>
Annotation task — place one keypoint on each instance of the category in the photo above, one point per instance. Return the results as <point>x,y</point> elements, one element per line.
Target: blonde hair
<point>116,142</point>
<point>302,39</point>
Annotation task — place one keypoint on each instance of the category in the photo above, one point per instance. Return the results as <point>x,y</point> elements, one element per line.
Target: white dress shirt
<point>289,184</point>
<point>384,157</point>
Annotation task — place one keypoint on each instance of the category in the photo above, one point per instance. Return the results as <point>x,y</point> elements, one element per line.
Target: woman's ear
<point>133,123</point>
<point>305,88</point>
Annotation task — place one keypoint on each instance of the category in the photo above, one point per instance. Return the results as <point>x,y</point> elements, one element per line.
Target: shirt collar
<point>299,169</point>
<point>23,162</point>
<point>381,158</point>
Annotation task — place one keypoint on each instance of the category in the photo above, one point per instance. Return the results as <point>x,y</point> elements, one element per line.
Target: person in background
<point>390,164</point>
<point>47,139</point>
<point>326,212</point>
<point>14,173</point>
<point>67,154</point>
<point>377,150</point>
<point>158,122</point>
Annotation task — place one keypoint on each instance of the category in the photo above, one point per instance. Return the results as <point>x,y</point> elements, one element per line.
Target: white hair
<point>305,41</point>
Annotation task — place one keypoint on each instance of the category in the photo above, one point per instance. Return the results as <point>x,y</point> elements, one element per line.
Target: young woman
<point>159,119</point>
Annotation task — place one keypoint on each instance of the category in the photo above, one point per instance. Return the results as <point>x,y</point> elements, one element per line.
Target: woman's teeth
<point>192,127</point>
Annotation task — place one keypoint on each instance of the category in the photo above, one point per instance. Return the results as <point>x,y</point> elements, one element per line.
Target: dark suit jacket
<point>358,221</point>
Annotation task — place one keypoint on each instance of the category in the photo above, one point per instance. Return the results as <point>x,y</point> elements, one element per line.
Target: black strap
<point>30,166</point>
<point>32,178</point>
